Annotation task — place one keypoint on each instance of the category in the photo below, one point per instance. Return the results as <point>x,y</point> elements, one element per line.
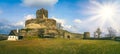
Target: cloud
<point>29,16</point>
<point>39,3</point>
<point>72,28</point>
<point>4,22</point>
<point>77,21</point>
<point>22,22</point>
<point>62,21</point>
<point>19,23</point>
<point>6,26</point>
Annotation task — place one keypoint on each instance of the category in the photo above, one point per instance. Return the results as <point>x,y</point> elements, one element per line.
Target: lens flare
<point>103,15</point>
<point>107,11</point>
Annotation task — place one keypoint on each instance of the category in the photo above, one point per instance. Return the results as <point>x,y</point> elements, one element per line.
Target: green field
<point>60,46</point>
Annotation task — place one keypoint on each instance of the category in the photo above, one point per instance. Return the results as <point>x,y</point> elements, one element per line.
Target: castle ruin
<point>42,26</point>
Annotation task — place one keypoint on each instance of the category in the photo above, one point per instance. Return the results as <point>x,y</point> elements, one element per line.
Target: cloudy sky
<point>75,15</point>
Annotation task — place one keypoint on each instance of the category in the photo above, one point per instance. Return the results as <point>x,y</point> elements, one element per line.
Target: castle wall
<point>43,26</point>
<point>73,35</point>
<point>65,34</point>
<point>46,23</point>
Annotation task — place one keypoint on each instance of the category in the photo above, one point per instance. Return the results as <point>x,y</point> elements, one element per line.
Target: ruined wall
<point>73,35</point>
<point>64,34</point>
<point>41,22</point>
<point>43,25</point>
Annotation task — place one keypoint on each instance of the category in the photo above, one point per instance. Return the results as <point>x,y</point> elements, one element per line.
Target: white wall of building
<point>12,37</point>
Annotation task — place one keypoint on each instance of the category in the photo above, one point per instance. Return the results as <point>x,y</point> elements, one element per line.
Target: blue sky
<point>73,14</point>
<point>14,11</point>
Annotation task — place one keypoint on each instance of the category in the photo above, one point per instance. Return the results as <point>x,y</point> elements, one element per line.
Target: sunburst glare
<point>107,11</point>
<point>103,14</point>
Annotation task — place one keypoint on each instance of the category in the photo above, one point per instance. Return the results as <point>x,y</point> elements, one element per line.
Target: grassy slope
<point>60,46</point>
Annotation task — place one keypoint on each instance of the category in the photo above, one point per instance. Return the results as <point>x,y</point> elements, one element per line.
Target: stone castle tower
<point>40,25</point>
<point>41,13</point>
<point>43,26</point>
<point>41,21</point>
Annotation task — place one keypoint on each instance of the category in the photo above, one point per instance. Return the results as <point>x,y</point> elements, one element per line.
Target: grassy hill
<point>60,46</point>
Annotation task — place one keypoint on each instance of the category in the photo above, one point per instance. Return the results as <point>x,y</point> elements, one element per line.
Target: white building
<point>14,38</point>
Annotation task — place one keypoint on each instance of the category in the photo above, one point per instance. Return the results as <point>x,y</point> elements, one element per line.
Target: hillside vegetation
<point>60,46</point>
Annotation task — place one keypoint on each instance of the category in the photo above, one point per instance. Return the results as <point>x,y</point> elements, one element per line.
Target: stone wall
<point>86,35</point>
<point>42,25</point>
<point>41,12</point>
<point>65,34</point>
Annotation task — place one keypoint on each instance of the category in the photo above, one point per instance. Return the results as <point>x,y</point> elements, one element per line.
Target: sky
<point>76,16</point>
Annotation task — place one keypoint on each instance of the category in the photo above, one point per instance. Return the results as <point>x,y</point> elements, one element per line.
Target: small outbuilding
<point>13,38</point>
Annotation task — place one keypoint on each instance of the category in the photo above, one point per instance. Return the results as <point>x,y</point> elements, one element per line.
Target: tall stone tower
<point>42,13</point>
<point>86,35</point>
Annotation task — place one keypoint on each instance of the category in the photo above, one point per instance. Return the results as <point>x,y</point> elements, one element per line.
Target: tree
<point>111,32</point>
<point>98,31</point>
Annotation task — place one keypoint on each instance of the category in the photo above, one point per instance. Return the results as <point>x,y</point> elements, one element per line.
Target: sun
<point>103,14</point>
<point>104,10</point>
<point>107,11</point>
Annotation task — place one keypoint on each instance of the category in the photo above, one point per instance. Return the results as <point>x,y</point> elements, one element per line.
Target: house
<point>14,38</point>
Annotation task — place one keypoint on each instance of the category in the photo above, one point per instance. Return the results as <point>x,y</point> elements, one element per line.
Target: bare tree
<point>111,32</point>
<point>59,26</point>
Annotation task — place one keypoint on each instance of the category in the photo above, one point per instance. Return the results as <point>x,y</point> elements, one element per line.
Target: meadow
<point>60,46</point>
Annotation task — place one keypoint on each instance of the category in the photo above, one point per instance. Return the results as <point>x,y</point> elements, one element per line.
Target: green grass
<point>60,46</point>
